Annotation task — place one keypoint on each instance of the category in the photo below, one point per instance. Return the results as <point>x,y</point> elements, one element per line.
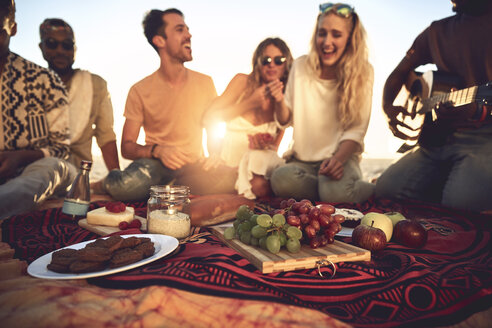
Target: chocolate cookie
<point>124,257</point>
<point>112,243</point>
<point>85,266</point>
<point>130,242</point>
<point>62,259</point>
<point>63,253</point>
<point>114,252</point>
<point>94,254</point>
<point>147,249</point>
<point>58,268</point>
<point>144,239</point>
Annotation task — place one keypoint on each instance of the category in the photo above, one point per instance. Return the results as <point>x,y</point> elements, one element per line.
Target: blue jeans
<point>300,180</point>
<point>458,174</point>
<point>134,182</point>
<point>46,177</point>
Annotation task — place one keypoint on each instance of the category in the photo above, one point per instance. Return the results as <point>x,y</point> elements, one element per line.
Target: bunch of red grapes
<point>319,224</point>
<point>260,141</point>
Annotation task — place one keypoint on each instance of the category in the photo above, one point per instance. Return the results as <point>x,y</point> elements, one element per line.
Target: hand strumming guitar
<point>392,113</point>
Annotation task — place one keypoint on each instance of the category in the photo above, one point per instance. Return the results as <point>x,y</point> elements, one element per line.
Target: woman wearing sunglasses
<point>247,105</point>
<point>328,103</point>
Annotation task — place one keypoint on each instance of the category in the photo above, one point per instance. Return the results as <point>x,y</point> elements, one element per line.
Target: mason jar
<point>168,211</point>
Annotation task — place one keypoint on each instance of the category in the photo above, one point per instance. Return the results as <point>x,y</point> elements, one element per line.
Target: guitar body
<point>418,88</point>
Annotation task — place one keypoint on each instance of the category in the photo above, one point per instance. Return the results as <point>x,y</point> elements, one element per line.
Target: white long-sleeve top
<point>313,104</point>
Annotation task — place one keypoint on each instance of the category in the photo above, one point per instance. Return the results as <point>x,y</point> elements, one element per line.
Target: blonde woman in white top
<point>328,103</point>
<point>247,106</point>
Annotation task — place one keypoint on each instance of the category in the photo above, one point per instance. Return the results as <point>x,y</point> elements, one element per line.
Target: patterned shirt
<point>34,112</point>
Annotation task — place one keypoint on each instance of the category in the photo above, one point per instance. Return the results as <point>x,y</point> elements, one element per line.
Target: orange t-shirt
<point>170,117</point>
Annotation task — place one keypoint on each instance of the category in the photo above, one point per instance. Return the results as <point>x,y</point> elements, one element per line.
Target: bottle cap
<point>85,165</point>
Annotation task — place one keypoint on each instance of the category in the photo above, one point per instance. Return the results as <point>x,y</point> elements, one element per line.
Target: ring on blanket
<point>326,262</point>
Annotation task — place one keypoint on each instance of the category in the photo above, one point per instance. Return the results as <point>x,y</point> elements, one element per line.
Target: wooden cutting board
<point>306,258</point>
<point>105,230</point>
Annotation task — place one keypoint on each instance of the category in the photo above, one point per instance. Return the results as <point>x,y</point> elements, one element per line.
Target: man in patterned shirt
<point>34,134</point>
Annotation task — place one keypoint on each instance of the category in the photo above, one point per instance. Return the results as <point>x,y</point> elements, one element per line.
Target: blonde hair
<point>354,73</point>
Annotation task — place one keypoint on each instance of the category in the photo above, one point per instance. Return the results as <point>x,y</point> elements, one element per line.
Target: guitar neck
<point>458,98</point>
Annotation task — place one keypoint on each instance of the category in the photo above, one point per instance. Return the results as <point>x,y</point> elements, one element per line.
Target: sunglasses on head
<point>341,9</point>
<point>53,44</point>
<point>278,60</point>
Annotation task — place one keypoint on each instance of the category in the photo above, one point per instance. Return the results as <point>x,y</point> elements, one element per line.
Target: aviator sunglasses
<point>53,44</point>
<point>278,60</point>
<point>341,9</point>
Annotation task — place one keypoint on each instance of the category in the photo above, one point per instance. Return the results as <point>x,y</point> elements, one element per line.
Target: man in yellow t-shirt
<point>169,104</point>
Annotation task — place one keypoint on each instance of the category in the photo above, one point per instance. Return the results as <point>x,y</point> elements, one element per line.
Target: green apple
<point>395,217</point>
<point>378,220</point>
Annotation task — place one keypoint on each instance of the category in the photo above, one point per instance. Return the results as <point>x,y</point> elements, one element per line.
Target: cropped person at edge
<point>328,103</point>
<point>35,142</point>
<point>169,104</point>
<point>451,164</point>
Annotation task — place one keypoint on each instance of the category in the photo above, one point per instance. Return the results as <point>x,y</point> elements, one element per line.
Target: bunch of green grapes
<point>265,231</point>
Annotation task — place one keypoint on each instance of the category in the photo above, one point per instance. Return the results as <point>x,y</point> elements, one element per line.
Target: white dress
<point>236,153</point>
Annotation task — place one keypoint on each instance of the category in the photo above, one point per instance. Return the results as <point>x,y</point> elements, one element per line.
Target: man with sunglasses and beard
<point>91,112</point>
<point>34,133</point>
<point>169,104</point>
<point>451,167</point>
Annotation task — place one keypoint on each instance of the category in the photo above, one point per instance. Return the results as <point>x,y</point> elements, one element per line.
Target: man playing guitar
<point>452,163</point>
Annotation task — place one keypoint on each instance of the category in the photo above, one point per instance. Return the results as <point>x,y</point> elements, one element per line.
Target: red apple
<point>410,233</point>
<point>368,237</point>
<point>378,220</point>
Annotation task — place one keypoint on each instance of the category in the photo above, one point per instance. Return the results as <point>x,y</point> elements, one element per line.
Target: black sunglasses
<point>278,60</point>
<point>53,44</point>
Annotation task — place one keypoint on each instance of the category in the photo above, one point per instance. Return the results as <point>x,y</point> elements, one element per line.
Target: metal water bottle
<point>78,198</point>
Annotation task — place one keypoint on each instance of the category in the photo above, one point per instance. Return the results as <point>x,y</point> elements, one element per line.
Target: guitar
<point>419,96</point>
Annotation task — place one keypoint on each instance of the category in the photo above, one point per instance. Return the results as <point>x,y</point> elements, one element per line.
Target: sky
<point>110,40</point>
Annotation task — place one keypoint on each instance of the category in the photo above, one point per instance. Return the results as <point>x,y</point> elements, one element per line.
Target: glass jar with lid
<point>168,211</point>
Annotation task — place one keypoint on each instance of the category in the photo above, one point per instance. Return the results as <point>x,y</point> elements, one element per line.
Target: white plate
<point>163,245</point>
<point>345,232</point>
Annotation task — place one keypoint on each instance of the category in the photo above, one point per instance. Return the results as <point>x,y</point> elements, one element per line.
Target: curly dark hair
<point>154,23</point>
<point>7,10</point>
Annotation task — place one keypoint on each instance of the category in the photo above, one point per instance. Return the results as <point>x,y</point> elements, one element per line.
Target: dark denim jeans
<point>458,174</point>
<point>134,182</point>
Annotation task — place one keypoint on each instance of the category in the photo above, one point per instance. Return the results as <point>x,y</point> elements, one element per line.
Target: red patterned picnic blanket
<point>441,284</point>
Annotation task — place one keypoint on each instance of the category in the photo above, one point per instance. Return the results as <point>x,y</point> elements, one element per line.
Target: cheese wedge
<point>101,216</point>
